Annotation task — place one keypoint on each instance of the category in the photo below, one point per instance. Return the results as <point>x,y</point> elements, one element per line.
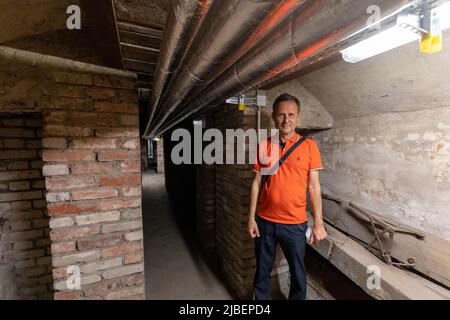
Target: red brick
<point>38,184</point>
<point>69,182</point>
<point>118,155</point>
<point>130,166</point>
<point>93,119</point>
<point>13,122</point>
<point>54,143</point>
<point>55,117</point>
<point>67,103</point>
<point>22,185</point>
<point>134,279</point>
<point>93,143</point>
<point>18,165</point>
<point>131,191</point>
<point>24,195</point>
<point>117,107</point>
<point>133,258</point>
<point>102,287</point>
<point>71,233</point>
<point>129,120</point>
<point>20,205</point>
<point>69,208</point>
<point>34,144</point>
<point>68,155</point>
<point>67,295</point>
<point>118,203</point>
<point>93,167</point>
<point>99,242</point>
<point>18,154</point>
<point>37,164</point>
<point>73,78</point>
<point>63,247</point>
<point>131,144</point>
<point>14,143</point>
<point>40,223</point>
<point>16,133</point>
<point>60,272</point>
<point>33,123</point>
<point>64,90</point>
<point>20,175</point>
<point>122,249</point>
<point>98,193</point>
<point>125,132</point>
<point>55,170</point>
<point>128,96</point>
<point>120,181</point>
<point>100,93</point>
<point>114,82</point>
<point>66,131</point>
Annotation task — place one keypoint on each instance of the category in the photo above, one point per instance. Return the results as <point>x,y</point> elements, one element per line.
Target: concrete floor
<point>174,268</point>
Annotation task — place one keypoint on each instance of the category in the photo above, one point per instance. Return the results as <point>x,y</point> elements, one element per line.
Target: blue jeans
<point>292,240</point>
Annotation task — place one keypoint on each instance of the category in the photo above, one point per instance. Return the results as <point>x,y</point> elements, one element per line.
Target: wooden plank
<point>133,52</point>
<point>144,14</point>
<point>140,39</point>
<point>431,254</point>
<point>126,26</point>
<point>353,260</point>
<point>102,24</point>
<point>138,65</point>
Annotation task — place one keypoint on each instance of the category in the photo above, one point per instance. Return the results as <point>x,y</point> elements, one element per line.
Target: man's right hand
<point>253,229</point>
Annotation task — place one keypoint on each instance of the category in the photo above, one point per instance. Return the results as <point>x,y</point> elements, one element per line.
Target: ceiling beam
<point>102,24</point>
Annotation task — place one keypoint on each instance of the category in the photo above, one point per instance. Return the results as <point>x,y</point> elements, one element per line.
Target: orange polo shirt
<point>283,198</point>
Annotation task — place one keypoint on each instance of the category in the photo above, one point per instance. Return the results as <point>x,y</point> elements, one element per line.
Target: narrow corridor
<point>174,268</point>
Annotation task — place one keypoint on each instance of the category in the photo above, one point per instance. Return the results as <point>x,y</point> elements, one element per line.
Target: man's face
<point>286,117</point>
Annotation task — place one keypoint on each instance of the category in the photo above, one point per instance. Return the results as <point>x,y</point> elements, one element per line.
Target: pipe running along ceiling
<point>215,49</point>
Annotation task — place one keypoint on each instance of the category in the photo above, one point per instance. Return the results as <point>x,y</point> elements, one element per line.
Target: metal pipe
<point>183,19</point>
<point>228,25</point>
<point>314,27</point>
<point>46,61</point>
<point>277,16</point>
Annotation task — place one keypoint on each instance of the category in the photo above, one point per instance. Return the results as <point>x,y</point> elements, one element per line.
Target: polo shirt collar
<point>294,138</point>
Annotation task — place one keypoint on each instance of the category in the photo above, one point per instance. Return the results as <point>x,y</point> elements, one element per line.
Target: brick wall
<point>233,247</point>
<point>160,156</point>
<point>92,168</point>
<point>91,165</point>
<point>25,258</point>
<point>206,208</point>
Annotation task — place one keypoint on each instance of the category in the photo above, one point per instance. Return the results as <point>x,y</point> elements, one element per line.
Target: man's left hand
<point>318,234</point>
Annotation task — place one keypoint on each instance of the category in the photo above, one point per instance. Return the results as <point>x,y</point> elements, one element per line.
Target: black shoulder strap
<point>291,149</point>
<point>272,170</point>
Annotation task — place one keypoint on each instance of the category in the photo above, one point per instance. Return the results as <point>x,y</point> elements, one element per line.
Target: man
<point>281,210</point>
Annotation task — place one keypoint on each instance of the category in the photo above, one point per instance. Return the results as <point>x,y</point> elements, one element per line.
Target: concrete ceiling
<point>31,17</point>
<point>400,80</point>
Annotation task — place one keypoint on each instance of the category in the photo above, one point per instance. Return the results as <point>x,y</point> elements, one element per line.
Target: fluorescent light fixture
<point>444,15</point>
<point>382,42</point>
<point>393,37</point>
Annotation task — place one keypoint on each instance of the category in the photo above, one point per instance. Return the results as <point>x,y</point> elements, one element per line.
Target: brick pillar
<point>92,168</point>
<point>160,156</point>
<point>25,258</point>
<point>206,208</point>
<point>234,248</point>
